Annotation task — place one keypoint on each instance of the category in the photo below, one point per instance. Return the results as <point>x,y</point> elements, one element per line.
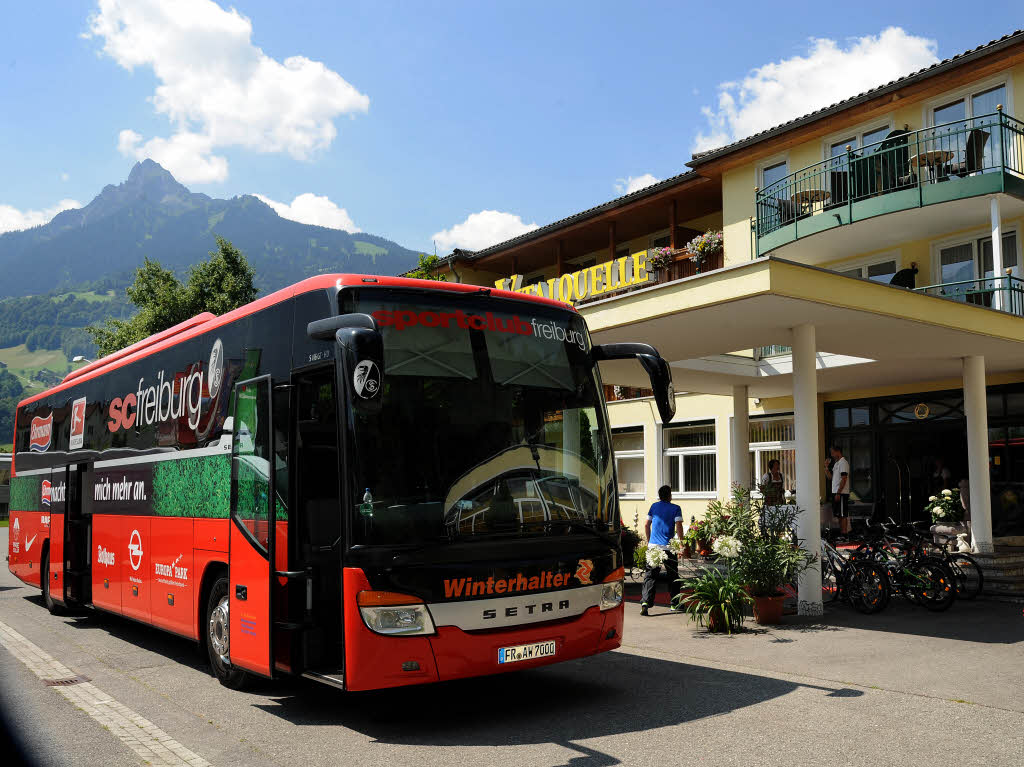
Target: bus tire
<point>48,600</point>
<point>217,638</point>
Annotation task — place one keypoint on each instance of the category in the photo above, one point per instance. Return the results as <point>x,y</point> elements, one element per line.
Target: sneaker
<point>643,609</point>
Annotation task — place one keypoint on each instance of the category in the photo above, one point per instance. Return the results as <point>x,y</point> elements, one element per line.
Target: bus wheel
<point>218,640</point>
<point>48,599</point>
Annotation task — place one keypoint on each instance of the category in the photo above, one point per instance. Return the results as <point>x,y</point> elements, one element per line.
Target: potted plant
<point>681,547</point>
<point>946,508</point>
<point>705,246</point>
<point>769,557</point>
<point>660,258</point>
<point>714,598</point>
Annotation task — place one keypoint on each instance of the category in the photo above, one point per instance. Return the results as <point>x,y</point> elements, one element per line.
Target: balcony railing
<point>681,268</point>
<point>907,169</point>
<point>1003,293</point>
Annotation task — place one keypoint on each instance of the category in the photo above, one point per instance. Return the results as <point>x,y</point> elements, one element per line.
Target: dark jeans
<point>651,579</point>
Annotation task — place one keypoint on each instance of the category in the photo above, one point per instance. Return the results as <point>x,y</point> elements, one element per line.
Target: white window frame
<point>658,235</point>
<point>756,448</point>
<point>965,93</point>
<point>856,132</point>
<point>972,239</point>
<point>769,163</point>
<point>668,453</point>
<point>864,263</point>
<point>631,454</point>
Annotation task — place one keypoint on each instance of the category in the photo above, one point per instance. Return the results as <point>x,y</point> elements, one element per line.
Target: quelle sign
<point>622,272</point>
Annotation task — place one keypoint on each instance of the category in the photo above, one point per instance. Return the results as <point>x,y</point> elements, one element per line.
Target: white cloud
<point>12,219</point>
<point>309,208</point>
<point>634,183</point>
<point>480,230</point>
<point>64,176</point>
<point>829,72</point>
<point>217,88</point>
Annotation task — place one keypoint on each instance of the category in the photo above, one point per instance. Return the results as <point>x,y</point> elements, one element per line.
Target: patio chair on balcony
<point>893,162</point>
<point>974,155</point>
<point>776,213</point>
<point>839,188</point>
<point>864,176</point>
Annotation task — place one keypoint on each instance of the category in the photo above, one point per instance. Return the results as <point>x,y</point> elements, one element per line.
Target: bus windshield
<point>491,423</point>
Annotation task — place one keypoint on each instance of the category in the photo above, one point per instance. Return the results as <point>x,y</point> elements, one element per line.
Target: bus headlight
<point>611,595</point>
<point>387,612</point>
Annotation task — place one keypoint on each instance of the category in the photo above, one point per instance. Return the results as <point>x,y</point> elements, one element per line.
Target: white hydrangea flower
<point>947,493</point>
<point>932,498</point>
<point>655,558</point>
<point>727,546</point>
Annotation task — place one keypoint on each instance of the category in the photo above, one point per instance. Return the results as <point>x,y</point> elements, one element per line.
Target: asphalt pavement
<point>907,687</point>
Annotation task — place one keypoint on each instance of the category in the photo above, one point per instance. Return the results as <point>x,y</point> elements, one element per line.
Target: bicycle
<point>865,584</point>
<point>969,577</point>
<point>921,578</point>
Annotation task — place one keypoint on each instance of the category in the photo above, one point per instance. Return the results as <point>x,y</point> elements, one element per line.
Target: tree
<point>11,391</point>
<point>219,284</point>
<point>427,268</point>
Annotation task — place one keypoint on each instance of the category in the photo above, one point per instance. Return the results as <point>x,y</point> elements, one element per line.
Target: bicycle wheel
<point>867,587</point>
<point>830,582</point>
<point>970,580</point>
<point>932,583</point>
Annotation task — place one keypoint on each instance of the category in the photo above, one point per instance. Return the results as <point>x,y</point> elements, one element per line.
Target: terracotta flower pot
<point>686,552</point>
<point>716,621</point>
<point>768,610</point>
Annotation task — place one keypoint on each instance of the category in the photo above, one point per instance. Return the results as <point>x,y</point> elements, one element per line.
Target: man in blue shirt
<point>662,519</point>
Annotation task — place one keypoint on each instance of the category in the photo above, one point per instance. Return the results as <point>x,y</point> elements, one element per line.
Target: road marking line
<point>140,735</point>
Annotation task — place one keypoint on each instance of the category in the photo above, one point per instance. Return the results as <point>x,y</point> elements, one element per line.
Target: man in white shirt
<point>839,473</point>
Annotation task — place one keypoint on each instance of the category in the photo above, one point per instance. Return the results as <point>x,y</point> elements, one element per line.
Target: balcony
<point>908,169</point>
<point>1005,294</point>
<point>680,268</point>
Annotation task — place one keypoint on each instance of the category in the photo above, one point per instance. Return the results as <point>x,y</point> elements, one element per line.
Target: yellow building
<point>869,295</point>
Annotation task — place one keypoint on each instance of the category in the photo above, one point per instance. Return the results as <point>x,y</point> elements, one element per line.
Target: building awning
<point>868,334</point>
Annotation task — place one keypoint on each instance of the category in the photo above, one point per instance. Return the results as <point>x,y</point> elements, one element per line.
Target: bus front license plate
<point>526,652</point>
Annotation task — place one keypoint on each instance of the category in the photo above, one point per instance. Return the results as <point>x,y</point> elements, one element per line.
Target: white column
<point>997,251</point>
<point>976,408</point>
<point>808,467</point>
<point>739,439</point>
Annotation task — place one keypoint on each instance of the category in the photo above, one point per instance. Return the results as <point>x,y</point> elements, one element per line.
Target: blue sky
<point>411,119</point>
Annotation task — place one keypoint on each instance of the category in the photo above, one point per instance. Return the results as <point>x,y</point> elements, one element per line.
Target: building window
<point>883,271</point>
<point>857,141</point>
<point>663,241</point>
<point>628,446</point>
<point>690,460</point>
<point>966,116</point>
<point>773,439</point>
<point>773,174</point>
<point>969,261</point>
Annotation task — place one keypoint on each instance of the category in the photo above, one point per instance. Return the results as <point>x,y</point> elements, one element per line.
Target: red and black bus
<point>370,481</point>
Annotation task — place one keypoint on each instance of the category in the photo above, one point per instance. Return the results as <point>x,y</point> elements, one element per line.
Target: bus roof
<point>202,323</point>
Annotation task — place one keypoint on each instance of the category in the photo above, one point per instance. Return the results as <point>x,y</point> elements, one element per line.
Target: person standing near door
<point>839,473</point>
<point>661,519</point>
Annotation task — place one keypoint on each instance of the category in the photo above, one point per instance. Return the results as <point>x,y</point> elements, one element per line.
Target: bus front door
<point>253,511</point>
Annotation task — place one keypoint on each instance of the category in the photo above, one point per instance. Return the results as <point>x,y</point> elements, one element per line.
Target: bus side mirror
<point>655,365</point>
<point>361,348</point>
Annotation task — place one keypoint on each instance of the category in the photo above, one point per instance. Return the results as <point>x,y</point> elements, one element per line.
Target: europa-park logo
<point>178,396</point>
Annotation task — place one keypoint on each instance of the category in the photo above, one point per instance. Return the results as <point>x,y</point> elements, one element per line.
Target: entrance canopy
<point>867,334</point>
